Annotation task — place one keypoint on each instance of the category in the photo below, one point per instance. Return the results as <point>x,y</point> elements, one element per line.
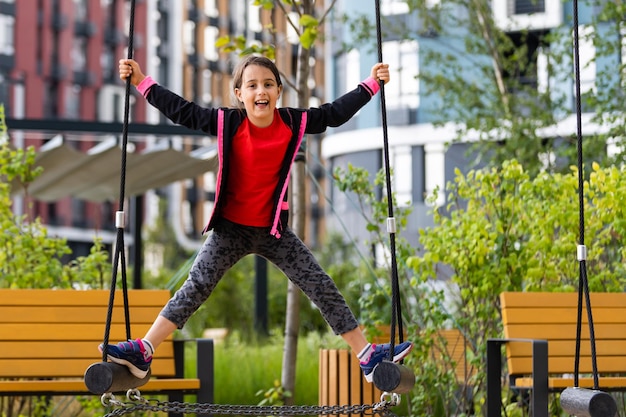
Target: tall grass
<point>242,369</point>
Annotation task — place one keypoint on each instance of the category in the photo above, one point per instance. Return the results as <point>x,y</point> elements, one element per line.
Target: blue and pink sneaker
<point>380,353</point>
<point>132,354</point>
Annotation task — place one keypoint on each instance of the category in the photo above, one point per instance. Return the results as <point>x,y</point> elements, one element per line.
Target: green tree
<point>502,230</point>
<point>29,257</point>
<point>506,231</point>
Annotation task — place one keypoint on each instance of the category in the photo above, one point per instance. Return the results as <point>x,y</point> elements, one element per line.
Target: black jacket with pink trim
<point>224,122</point>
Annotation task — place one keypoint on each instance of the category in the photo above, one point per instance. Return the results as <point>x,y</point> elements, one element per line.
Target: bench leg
<point>179,365</point>
<point>494,376</point>
<point>205,372</point>
<point>539,394</point>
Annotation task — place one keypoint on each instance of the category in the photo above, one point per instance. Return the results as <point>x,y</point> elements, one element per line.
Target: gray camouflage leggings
<point>230,242</point>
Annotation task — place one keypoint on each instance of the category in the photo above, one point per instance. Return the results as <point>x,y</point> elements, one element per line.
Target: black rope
<point>396,310</point>
<point>119,245</point>
<point>583,283</point>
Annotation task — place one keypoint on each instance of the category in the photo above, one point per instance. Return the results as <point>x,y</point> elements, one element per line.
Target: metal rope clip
<point>108,399</point>
<point>133,394</point>
<point>394,399</point>
<point>120,221</point>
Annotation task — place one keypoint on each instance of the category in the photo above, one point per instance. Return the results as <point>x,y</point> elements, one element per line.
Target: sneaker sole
<point>403,354</point>
<point>138,373</point>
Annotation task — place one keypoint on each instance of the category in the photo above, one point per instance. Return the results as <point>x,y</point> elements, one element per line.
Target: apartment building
<point>58,62</point>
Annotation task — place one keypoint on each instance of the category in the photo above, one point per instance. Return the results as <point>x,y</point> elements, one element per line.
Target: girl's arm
<point>345,107</point>
<point>174,107</point>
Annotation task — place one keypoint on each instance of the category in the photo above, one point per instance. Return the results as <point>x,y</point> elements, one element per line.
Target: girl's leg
<point>222,249</point>
<point>159,331</point>
<point>292,256</point>
<point>355,339</point>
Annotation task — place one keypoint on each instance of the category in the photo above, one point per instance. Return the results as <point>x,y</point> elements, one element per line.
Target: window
<point>292,35</point>
<point>207,93</point>
<point>391,7</point>
<point>522,15</point>
<point>402,57</point>
<point>80,9</point>
<point>623,51</point>
<point>254,18</point>
<point>529,6</point>
<point>237,10</point>
<point>587,54</point>
<point>210,37</point>
<point>72,102</point>
<point>210,8</point>
<point>353,66</point>
<point>6,34</point>
<point>543,75</point>
<point>189,43</point>
<point>78,54</point>
<point>402,168</point>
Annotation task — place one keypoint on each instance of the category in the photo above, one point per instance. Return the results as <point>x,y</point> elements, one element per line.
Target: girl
<point>257,144</point>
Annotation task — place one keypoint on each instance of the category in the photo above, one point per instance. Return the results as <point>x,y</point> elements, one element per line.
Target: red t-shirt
<point>256,157</point>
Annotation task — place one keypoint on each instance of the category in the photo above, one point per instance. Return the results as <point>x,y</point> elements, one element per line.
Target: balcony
<point>7,8</point>
<point>85,29</point>
<point>529,6</point>
<point>7,62</point>
<point>84,78</point>
<point>518,15</point>
<point>59,21</point>
<point>114,36</point>
<point>58,72</point>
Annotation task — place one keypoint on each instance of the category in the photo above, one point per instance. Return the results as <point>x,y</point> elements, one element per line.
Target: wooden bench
<point>48,338</point>
<point>341,381</point>
<point>540,346</point>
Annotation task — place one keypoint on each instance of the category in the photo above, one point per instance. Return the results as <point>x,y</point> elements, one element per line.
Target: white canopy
<point>96,175</point>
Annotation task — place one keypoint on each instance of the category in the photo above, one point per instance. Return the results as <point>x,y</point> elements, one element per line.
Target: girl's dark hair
<point>254,60</point>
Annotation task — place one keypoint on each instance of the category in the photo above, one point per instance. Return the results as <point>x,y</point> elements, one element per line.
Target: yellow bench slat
<point>74,314</point>
<point>568,348</point>
<point>83,349</point>
<point>64,331</point>
<point>562,383</point>
<point>553,299</point>
<point>564,365</point>
<point>46,297</point>
<point>563,331</point>
<point>65,368</point>
<point>561,315</point>
<point>78,385</point>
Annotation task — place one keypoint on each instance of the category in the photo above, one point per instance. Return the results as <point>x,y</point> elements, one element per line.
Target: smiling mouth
<point>262,102</point>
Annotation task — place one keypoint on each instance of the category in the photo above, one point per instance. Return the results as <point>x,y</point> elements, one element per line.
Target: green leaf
<point>308,37</point>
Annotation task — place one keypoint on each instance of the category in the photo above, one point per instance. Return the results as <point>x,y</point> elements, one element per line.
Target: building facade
<point>423,155</point>
<point>59,59</point>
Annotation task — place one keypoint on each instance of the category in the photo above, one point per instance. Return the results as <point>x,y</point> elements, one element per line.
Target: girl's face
<point>259,93</point>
